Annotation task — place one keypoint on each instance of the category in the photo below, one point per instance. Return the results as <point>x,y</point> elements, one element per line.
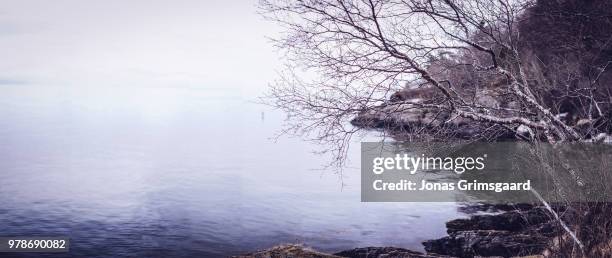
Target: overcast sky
<point>208,44</point>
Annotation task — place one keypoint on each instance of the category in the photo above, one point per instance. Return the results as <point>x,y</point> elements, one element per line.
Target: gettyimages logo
<point>483,172</point>
<point>413,164</point>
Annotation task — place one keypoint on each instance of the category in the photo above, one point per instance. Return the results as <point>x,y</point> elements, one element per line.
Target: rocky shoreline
<point>518,231</point>
<point>491,231</point>
<point>414,120</point>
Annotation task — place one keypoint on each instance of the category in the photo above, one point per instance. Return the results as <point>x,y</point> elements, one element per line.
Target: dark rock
<point>299,251</point>
<point>380,252</point>
<point>286,251</point>
<point>509,221</point>
<point>520,230</point>
<point>426,122</point>
<point>491,208</point>
<point>414,94</point>
<point>488,243</point>
<point>374,120</point>
<point>549,229</point>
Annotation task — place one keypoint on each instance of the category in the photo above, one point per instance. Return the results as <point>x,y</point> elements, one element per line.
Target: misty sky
<point>209,45</point>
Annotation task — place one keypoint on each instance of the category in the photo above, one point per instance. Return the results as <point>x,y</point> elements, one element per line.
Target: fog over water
<point>203,179</point>
<point>131,128</point>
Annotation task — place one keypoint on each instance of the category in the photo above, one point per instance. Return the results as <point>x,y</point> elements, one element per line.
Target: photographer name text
<point>411,165</point>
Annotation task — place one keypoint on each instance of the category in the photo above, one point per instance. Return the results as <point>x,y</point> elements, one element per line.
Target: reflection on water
<point>181,173</point>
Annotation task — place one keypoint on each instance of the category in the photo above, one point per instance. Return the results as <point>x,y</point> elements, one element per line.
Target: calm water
<point>180,172</point>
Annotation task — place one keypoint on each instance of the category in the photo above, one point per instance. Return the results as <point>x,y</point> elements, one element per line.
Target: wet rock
<point>384,252</point>
<point>299,251</point>
<point>515,230</point>
<point>494,208</point>
<point>519,231</point>
<point>509,221</point>
<point>473,243</point>
<point>287,251</point>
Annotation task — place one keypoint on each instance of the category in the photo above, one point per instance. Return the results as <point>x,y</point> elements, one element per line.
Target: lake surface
<point>181,172</point>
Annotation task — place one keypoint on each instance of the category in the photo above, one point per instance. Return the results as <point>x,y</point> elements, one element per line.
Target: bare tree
<point>464,52</point>
<point>495,65</point>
